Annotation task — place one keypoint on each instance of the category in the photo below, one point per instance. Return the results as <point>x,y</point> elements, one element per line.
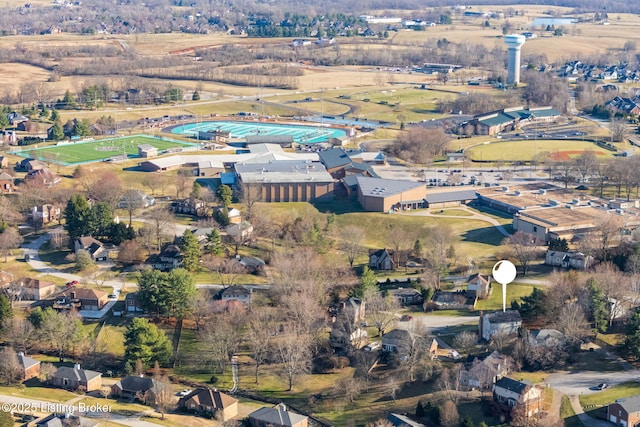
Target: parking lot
<point>441,177</point>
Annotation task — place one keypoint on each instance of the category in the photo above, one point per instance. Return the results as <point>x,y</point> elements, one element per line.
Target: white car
<point>184,392</point>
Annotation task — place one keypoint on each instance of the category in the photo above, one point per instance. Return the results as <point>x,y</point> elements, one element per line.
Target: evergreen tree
<point>146,342</point>
<point>225,194</point>
<point>166,294</point>
<point>55,116</point>
<point>78,217</point>
<point>467,422</point>
<point>101,220</point>
<point>533,305</point>
<point>69,101</point>
<point>195,96</point>
<point>56,132</point>
<point>214,244</point>
<point>368,281</point>
<point>419,410</point>
<point>6,312</point>
<point>119,232</point>
<point>191,252</point>
<point>631,343</point>
<point>81,128</point>
<point>599,313</point>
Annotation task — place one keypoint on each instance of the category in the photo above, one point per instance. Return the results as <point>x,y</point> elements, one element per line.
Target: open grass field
<point>525,150</point>
<point>95,151</point>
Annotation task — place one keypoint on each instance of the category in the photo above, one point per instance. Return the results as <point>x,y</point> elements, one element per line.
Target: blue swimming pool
<point>300,133</point>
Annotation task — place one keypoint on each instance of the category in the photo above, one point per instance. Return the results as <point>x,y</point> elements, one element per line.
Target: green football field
<point>95,151</point>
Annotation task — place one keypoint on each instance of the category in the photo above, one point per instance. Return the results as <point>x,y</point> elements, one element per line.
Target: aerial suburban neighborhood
<point>302,214</point>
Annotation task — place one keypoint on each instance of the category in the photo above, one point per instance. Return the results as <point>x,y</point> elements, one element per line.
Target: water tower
<point>514,43</point>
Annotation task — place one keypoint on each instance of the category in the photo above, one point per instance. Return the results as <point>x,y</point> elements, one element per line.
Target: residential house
<point>397,340</point>
<point>28,127</point>
<point>381,259</point>
<point>131,303</point>
<point>510,395</point>
<point>170,257</point>
<point>135,199</point>
<point>15,118</point>
<point>5,279</point>
<point>546,337</point>
<point>132,387</point>
<point>500,322</point>
<point>190,206</point>
<point>29,164</point>
<point>211,402</point>
<point>625,412</point>
<point>30,367</point>
<point>571,259</point>
<point>43,176</point>
<point>76,379</point>
<point>254,265</point>
<point>82,298</point>
<point>342,337</point>
<point>453,301</point>
<point>406,296</point>
<point>398,420</point>
<point>277,416</point>
<point>235,216</point>
<point>353,309</point>
<point>240,232</point>
<point>6,183</point>
<point>44,214</point>
<point>59,420</point>
<point>479,285</point>
<point>98,251</point>
<point>481,374</point>
<point>35,289</point>
<point>237,293</point>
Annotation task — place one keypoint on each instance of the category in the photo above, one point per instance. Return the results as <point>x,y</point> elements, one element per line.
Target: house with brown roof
<point>82,298</point>
<point>190,206</point>
<point>210,402</point>
<point>35,289</point>
<point>169,258</point>
<point>30,367</point>
<point>482,373</point>
<point>44,214</point>
<point>43,176</point>
<point>406,296</point>
<point>277,416</point>
<point>6,183</point>
<point>76,379</point>
<point>479,285</point>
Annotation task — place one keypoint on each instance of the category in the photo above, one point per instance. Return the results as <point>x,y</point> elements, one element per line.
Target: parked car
<point>405,318</point>
<point>72,283</point>
<point>602,386</point>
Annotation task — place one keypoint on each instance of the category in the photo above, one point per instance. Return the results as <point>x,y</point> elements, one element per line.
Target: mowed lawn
<point>93,151</point>
<point>525,149</point>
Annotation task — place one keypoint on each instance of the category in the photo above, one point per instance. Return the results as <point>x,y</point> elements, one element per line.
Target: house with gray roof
<point>76,379</point>
<point>501,322</point>
<point>30,367</point>
<point>277,416</point>
<point>625,412</point>
<point>132,386</point>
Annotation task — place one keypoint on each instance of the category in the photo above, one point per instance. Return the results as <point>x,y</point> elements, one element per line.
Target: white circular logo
<point>504,272</point>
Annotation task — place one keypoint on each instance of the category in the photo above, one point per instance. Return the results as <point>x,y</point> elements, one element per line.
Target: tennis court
<point>301,134</point>
<point>72,153</point>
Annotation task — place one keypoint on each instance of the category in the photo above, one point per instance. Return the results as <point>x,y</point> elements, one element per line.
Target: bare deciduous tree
<point>250,194</point>
<point>351,237</point>
<point>292,351</point>
<point>449,416</point>
<point>162,394</point>
<point>10,239</point>
<point>259,336</point>
<point>381,310</point>
<point>524,247</point>
<point>572,322</point>
<point>19,333</point>
<point>10,369</point>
